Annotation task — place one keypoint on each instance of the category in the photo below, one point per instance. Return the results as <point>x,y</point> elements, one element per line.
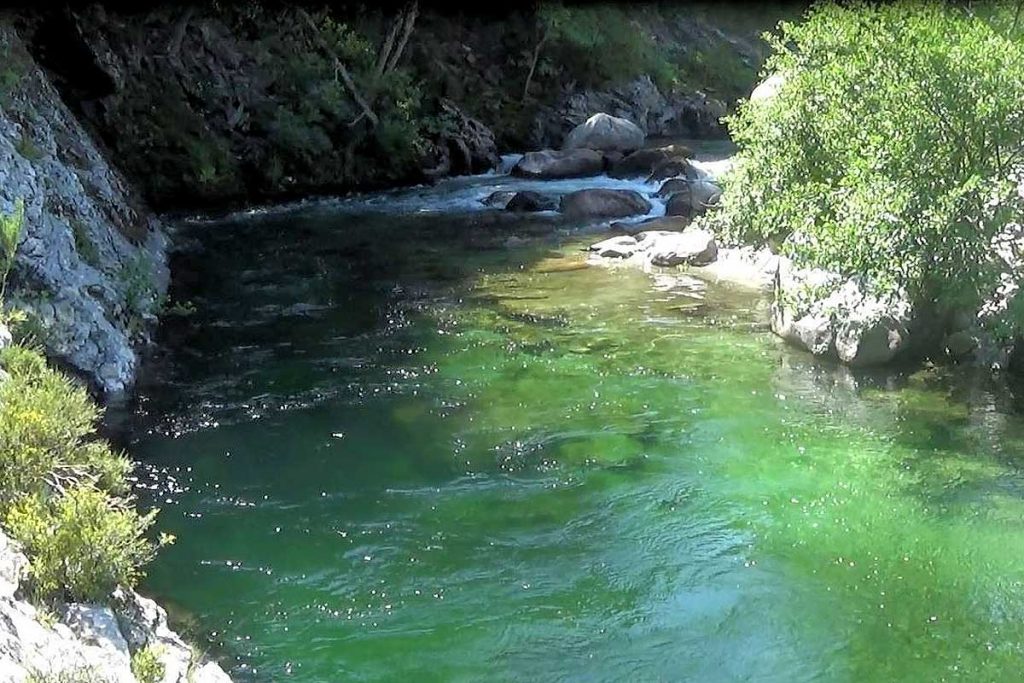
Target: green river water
<point>427,444</point>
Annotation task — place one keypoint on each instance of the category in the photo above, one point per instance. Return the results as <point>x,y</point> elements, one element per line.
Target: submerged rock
<point>551,164</point>
<point>602,203</point>
<point>605,133</point>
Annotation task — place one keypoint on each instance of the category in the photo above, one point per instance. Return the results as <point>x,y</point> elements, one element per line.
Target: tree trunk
<point>408,21</point>
<point>533,64</point>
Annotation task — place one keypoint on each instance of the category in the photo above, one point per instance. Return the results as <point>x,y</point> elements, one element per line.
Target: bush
<point>146,665</point>
<point>81,544</point>
<point>888,152</point>
<point>63,494</point>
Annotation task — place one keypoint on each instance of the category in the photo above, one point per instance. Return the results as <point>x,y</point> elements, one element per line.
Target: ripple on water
<point>405,446</point>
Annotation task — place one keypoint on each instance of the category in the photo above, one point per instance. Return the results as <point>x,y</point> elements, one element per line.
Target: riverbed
<point>408,437</point>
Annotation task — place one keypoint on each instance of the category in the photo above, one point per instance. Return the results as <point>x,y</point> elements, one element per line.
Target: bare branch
<point>340,69</point>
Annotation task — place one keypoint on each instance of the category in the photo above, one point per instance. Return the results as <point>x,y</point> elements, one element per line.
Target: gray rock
<point>661,223</point>
<point>13,564</point>
<point>499,199</point>
<point>690,115</point>
<point>693,246</point>
<point>768,88</point>
<point>5,337</point>
<point>605,133</point>
<point>95,625</point>
<point>528,201</point>
<point>672,186</point>
<point>551,164</point>
<point>673,168</point>
<point>616,247</point>
<point>692,198</point>
<point>602,203</point>
<point>825,314</point>
<point>209,673</point>
<point>642,162</point>
<point>84,229</point>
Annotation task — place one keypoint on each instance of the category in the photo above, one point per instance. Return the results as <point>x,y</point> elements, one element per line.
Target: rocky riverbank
<point>91,268</point>
<point>89,642</point>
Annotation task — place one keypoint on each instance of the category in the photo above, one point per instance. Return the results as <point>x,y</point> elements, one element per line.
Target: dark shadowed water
<point>404,438</point>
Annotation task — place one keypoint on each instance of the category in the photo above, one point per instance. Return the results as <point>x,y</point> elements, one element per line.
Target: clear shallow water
<point>404,445</point>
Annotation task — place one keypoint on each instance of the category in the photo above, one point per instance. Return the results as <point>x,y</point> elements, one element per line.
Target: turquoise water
<point>432,444</point>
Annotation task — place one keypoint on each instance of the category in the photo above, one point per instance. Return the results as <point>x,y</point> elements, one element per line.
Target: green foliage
<point>64,494</point>
<point>10,233</point>
<point>137,284</point>
<point>889,151</point>
<point>146,664</point>
<point>717,64</point>
<point>603,44</point>
<point>82,545</point>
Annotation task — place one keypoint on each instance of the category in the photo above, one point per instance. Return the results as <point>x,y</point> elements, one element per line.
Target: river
<point>406,437</point>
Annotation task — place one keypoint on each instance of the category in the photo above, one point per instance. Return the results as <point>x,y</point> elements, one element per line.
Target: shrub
<point>63,494</point>
<point>81,544</point>
<point>146,665</point>
<point>889,151</point>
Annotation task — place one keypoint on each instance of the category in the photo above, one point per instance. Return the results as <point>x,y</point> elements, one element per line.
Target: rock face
<point>693,115</point>
<point>606,134</point>
<point>552,164</point>
<point>91,263</point>
<point>829,316</point>
<point>90,642</point>
<point>601,203</point>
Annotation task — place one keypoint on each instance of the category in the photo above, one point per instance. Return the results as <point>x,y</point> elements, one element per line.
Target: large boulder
<point>605,133</point>
<point>642,162</point>
<point>828,315</point>
<point>550,164</point>
<point>676,115</point>
<point>623,246</point>
<point>601,203</point>
<point>692,198</point>
<point>693,246</point>
<point>661,223</point>
<point>527,201</point>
